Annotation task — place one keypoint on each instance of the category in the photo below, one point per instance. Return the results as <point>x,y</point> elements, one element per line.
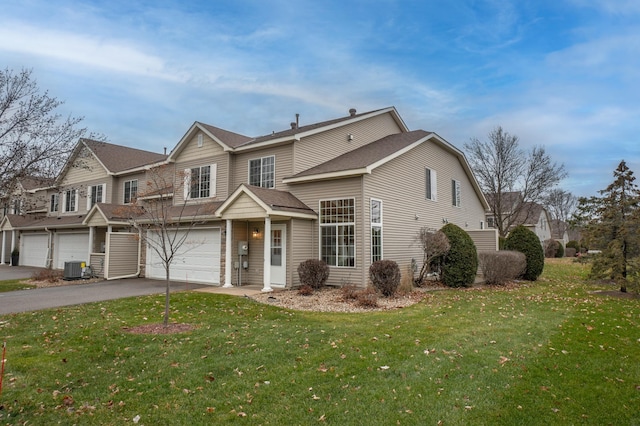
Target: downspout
<point>49,251</point>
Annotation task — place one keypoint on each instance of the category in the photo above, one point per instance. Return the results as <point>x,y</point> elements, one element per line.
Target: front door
<point>278,255</point>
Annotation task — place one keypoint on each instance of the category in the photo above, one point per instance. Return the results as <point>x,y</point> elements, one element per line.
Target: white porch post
<point>267,255</point>
<point>92,231</point>
<point>13,243</point>
<point>227,256</point>
<point>4,246</point>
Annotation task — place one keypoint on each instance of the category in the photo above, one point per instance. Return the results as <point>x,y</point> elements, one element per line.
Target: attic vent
<point>352,112</point>
<point>200,139</point>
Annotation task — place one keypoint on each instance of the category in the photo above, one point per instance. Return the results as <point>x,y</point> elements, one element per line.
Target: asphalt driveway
<point>53,297</point>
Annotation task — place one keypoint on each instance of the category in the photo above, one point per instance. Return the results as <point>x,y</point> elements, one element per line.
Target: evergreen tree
<point>610,223</point>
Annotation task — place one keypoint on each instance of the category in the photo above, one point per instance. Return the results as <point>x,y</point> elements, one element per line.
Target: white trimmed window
<point>262,172</point>
<point>54,204</point>
<point>96,194</point>
<point>200,182</point>
<point>337,232</point>
<point>376,230</point>
<point>431,185</point>
<point>70,200</point>
<point>455,193</point>
<point>130,191</point>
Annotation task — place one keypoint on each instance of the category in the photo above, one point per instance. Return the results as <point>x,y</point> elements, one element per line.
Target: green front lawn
<point>548,352</point>
<point>13,285</point>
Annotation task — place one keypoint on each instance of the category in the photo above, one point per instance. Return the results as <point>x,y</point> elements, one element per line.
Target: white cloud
<point>83,49</point>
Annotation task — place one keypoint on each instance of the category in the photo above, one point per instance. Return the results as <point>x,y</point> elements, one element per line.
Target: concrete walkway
<point>67,295</point>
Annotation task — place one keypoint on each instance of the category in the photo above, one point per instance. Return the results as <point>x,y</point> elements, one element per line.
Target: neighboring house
<point>96,172</point>
<point>517,212</point>
<point>348,191</point>
<point>28,199</point>
<point>560,231</point>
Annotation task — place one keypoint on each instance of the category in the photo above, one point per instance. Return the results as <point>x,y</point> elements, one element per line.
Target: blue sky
<point>562,74</point>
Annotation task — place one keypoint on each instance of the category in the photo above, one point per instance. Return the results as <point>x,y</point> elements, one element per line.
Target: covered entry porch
<point>265,230</point>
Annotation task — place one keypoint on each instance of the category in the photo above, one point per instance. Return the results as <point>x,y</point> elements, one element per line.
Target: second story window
<point>55,203</point>
<point>431,185</point>
<point>262,172</point>
<point>130,191</point>
<point>95,194</point>
<point>455,193</point>
<point>70,202</point>
<point>200,182</point>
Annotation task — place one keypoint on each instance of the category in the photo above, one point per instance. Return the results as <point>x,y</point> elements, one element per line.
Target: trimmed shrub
<point>460,264</point>
<point>550,248</point>
<point>570,252</point>
<point>313,272</point>
<point>574,245</point>
<point>385,276</point>
<point>500,267</point>
<point>560,252</point>
<point>525,241</point>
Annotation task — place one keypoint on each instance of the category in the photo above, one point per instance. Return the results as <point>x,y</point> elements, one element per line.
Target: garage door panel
<point>70,248</point>
<point>197,260</point>
<point>35,248</point>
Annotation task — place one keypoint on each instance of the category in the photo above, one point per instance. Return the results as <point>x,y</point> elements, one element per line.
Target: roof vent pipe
<point>352,112</point>
<point>297,121</point>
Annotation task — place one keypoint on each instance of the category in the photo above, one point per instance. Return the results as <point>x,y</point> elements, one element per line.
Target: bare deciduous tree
<point>560,204</point>
<point>504,169</point>
<point>34,139</point>
<point>434,244</point>
<point>163,224</point>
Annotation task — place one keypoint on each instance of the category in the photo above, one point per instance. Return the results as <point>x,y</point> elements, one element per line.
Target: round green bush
<point>525,241</point>
<point>460,264</point>
<point>560,252</point>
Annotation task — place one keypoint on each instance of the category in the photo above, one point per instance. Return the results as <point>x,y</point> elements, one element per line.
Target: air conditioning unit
<point>73,270</point>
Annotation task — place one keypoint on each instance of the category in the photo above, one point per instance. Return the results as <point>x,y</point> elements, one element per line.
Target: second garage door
<point>71,247</point>
<point>198,260</point>
<point>34,250</point>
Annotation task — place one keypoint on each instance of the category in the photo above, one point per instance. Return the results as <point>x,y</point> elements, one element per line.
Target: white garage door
<point>197,260</point>
<point>70,248</point>
<point>34,250</point>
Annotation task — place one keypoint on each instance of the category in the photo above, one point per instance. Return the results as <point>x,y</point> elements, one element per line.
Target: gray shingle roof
<point>366,155</point>
<point>236,140</point>
<point>118,158</point>
<point>280,200</point>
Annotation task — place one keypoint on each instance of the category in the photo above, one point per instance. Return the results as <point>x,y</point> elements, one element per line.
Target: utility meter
<point>243,248</point>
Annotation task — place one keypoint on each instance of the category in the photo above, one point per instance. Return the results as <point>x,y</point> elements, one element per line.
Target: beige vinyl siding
<point>302,245</point>
<point>311,194</point>
<point>86,168</point>
<point>122,256</point>
<point>317,149</point>
<point>222,171</point>
<point>245,208</point>
<point>401,184</point>
<point>485,239</point>
<point>283,164</point>
<point>192,152</point>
